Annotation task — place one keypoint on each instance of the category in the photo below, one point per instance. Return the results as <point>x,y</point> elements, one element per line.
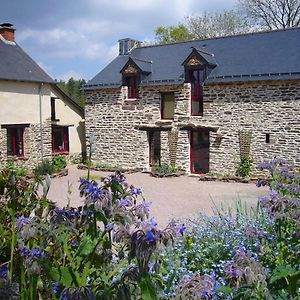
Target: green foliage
<point>101,250</point>
<point>19,171</point>
<point>172,34</point>
<point>205,25</point>
<point>72,89</point>
<point>165,169</point>
<point>47,166</point>
<point>59,162</point>
<point>106,167</point>
<point>245,166</point>
<point>44,168</point>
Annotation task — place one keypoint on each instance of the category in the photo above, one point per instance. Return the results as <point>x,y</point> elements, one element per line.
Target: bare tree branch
<point>272,14</point>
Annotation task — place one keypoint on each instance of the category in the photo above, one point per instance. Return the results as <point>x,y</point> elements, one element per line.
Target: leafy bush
<point>105,249</point>
<point>47,166</point>
<point>245,166</point>
<point>165,169</point>
<point>44,168</point>
<point>59,162</point>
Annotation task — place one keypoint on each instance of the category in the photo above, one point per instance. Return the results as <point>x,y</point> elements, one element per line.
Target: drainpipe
<point>41,121</point>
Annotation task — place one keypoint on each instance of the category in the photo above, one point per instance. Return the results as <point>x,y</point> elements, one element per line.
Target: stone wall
<point>259,107</point>
<point>32,145</point>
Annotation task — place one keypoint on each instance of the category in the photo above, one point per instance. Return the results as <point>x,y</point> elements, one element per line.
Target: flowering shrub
<point>240,255</point>
<point>106,249</point>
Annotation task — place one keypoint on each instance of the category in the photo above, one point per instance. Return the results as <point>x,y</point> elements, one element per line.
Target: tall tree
<point>72,89</point>
<point>210,25</point>
<point>172,34</point>
<point>206,25</point>
<point>272,14</point>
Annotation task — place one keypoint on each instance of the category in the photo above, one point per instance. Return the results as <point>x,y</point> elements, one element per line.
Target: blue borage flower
<point>36,253</point>
<point>22,221</point>
<point>4,271</point>
<point>70,213</point>
<point>134,192</point>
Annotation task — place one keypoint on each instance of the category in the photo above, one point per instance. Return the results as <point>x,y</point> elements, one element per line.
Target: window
<point>196,78</point>
<point>15,141</point>
<point>131,82</point>
<point>267,138</point>
<point>60,139</point>
<point>167,105</point>
<point>53,117</point>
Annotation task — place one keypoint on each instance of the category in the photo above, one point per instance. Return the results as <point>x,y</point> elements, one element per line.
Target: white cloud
<point>85,33</point>
<point>68,74</point>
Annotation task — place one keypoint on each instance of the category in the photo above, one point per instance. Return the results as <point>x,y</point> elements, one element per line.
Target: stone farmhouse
<point>37,119</point>
<point>200,105</point>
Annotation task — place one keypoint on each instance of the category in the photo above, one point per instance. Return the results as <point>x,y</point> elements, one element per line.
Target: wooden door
<point>199,158</point>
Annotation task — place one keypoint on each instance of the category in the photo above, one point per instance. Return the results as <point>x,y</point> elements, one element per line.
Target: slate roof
<point>16,64</point>
<point>267,55</point>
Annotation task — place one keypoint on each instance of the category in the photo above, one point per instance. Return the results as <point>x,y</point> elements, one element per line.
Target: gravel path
<point>176,197</point>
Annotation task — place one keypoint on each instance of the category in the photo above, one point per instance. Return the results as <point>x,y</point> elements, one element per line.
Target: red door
<point>199,159</point>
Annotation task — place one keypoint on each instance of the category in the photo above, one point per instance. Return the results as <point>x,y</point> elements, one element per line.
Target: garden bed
<point>163,175</point>
<point>108,169</point>
<point>205,177</point>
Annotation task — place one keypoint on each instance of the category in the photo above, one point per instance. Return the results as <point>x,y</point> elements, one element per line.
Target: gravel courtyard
<point>178,197</point>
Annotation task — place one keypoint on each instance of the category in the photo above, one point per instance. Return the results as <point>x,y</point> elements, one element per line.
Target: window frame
<point>12,132</point>
<point>132,94</point>
<point>198,97</point>
<point>162,107</point>
<point>64,130</point>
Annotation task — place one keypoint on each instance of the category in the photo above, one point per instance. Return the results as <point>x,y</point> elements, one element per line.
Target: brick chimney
<point>7,31</point>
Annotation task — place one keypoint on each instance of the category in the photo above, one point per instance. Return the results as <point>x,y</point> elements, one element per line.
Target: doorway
<point>154,148</point>
<point>199,151</point>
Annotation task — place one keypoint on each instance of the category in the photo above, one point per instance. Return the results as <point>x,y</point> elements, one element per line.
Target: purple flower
<point>22,221</point>
<point>182,229</point>
<point>4,270</point>
<point>124,202</point>
<point>56,288</point>
<point>35,253</point>
<point>109,227</point>
<point>150,237</point>
<point>134,192</point>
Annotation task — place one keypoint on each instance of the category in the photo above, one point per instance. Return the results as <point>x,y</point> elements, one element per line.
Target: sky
<point>77,38</point>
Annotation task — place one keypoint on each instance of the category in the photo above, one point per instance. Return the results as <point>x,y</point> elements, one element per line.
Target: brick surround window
<point>196,79</point>
<point>60,139</point>
<point>131,82</point>
<point>15,141</point>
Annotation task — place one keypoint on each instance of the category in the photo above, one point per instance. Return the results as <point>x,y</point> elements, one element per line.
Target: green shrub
<point>165,169</point>
<point>44,168</point>
<point>59,162</point>
<point>245,166</point>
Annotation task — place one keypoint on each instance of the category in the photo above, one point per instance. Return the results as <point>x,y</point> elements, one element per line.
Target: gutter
<point>41,121</point>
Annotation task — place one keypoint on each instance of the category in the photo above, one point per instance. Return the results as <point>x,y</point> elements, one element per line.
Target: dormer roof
<point>199,57</point>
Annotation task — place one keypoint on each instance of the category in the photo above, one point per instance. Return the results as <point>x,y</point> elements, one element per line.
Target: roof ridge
<point>140,59</point>
<point>221,37</point>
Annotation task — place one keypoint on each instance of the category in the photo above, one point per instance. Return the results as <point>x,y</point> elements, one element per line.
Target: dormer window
<point>132,73</point>
<point>196,79</point>
<point>131,82</point>
<point>197,66</point>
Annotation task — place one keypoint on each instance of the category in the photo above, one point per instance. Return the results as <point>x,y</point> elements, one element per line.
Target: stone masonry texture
<point>260,107</point>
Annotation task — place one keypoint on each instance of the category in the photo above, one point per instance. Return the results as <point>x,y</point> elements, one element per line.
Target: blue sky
<point>77,38</point>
